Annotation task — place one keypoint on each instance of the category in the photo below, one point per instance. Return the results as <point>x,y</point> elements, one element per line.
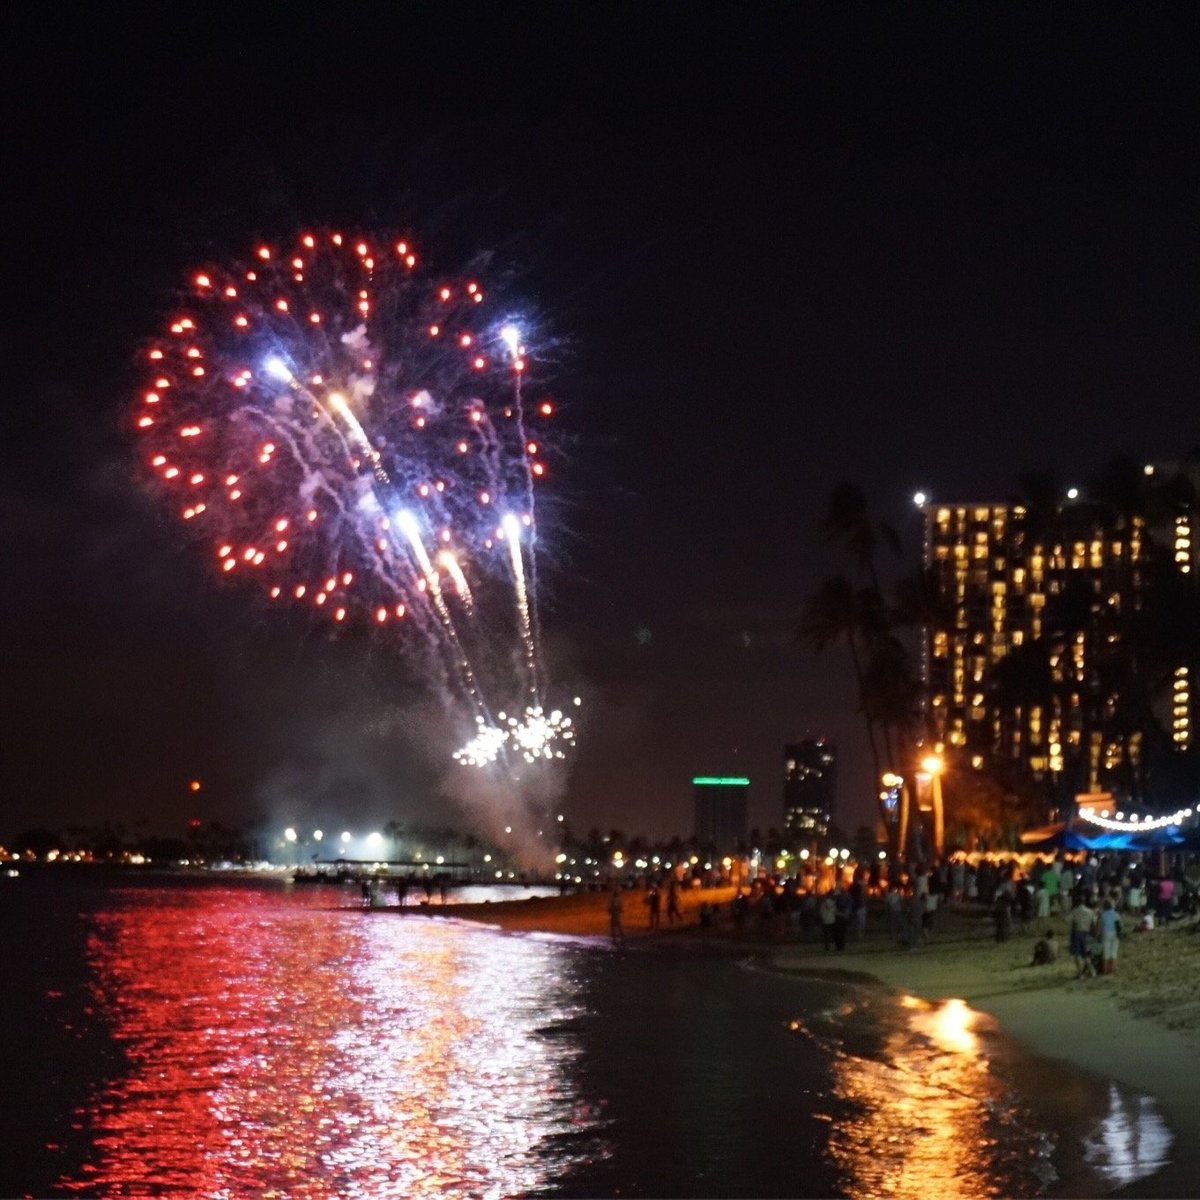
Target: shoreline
<point>1057,1021</point>
<point>1136,1028</point>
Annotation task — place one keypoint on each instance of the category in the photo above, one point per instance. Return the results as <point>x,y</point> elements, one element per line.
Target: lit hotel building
<point>720,810</point>
<point>1002,579</point>
<point>809,787</point>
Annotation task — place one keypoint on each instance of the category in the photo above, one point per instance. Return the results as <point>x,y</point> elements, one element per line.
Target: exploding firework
<point>345,433</point>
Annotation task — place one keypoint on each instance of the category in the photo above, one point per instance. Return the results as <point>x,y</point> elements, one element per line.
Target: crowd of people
<point>1099,898</point>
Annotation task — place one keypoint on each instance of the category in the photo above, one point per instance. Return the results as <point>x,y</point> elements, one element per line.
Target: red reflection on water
<point>276,1047</point>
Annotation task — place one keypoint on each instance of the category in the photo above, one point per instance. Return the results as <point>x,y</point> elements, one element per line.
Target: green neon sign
<point>720,781</point>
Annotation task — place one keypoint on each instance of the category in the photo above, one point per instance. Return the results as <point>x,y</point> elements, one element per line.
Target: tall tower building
<point>720,810</point>
<point>1030,657</point>
<point>809,787</point>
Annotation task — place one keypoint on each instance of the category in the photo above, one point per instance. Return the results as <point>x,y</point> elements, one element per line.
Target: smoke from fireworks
<point>349,435</point>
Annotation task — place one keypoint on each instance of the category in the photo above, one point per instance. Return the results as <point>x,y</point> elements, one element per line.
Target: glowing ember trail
<point>344,432</point>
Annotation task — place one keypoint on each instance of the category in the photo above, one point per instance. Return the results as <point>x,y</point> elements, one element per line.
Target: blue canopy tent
<point>1092,837</point>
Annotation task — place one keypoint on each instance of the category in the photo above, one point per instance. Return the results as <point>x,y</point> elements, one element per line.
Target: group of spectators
<point>1018,899</point>
<point>1098,897</point>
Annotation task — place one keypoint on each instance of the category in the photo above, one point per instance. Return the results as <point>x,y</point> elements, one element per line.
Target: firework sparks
<point>347,434</point>
<point>539,734</point>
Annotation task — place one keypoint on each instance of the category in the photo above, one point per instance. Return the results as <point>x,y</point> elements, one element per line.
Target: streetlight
<point>933,765</point>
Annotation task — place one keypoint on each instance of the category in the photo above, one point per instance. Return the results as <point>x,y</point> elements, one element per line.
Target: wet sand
<point>1138,1027</point>
<point>584,914</point>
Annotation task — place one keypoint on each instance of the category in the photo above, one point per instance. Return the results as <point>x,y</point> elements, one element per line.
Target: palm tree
<point>888,691</point>
<point>848,522</point>
<point>1041,493</point>
<point>832,615</point>
<point>891,695</point>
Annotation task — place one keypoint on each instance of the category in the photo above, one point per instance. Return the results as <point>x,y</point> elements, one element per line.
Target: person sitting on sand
<point>1045,950</point>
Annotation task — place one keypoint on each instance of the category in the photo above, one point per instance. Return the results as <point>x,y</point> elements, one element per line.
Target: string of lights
<point>1135,821</point>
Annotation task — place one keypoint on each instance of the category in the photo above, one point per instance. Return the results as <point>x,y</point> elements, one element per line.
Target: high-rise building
<point>809,787</point>
<point>1032,654</point>
<point>720,810</point>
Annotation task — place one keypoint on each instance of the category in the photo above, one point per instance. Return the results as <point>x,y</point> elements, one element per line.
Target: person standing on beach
<point>673,913</point>
<point>828,912</point>
<point>927,917</point>
<point>841,917</point>
<point>858,892</point>
<point>1110,927</point>
<point>1080,922</point>
<point>615,929</point>
<point>958,881</point>
<point>1002,911</point>
<point>1165,899</point>
<point>1135,901</point>
<point>916,916</point>
<point>1052,881</point>
<point>1066,888</point>
<point>893,903</point>
<point>654,903</point>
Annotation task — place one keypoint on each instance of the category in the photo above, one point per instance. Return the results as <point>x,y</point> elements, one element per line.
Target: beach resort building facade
<point>1037,652</point>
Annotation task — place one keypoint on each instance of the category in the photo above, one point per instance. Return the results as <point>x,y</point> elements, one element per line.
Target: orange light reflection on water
<point>299,1051</point>
<point>922,1110</point>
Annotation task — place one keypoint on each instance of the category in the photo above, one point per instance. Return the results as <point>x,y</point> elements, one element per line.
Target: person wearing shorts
<point>1080,921</point>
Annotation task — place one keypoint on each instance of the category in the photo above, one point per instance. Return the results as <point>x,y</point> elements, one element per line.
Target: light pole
<point>894,796</point>
<point>933,765</point>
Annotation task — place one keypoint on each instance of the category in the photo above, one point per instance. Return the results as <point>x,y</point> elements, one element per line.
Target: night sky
<point>772,247</point>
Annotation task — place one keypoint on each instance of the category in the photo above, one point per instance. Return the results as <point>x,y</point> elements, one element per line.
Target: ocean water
<point>222,1038</point>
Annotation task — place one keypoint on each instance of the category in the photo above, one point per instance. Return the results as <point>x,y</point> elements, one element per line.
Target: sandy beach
<point>1138,1027</point>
